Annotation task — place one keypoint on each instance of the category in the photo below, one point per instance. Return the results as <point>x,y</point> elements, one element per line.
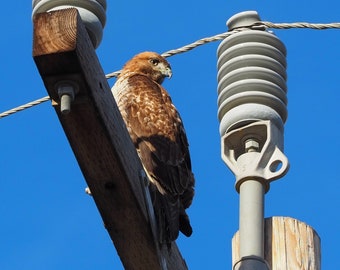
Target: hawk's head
<point>151,64</point>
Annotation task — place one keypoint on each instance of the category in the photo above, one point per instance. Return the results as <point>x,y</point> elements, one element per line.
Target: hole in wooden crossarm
<point>109,185</point>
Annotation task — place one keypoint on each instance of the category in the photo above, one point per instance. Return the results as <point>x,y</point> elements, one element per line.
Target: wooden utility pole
<point>97,134</point>
<point>289,244</point>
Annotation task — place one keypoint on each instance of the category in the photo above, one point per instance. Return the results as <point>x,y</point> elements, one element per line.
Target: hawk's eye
<point>154,61</point>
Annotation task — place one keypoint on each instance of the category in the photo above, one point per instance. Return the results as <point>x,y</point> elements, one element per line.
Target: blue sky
<point>48,222</point>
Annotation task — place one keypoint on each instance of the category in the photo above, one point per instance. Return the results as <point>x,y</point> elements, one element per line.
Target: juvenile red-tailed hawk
<point>157,132</point>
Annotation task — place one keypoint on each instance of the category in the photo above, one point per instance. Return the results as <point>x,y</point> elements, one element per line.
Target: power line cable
<point>186,48</point>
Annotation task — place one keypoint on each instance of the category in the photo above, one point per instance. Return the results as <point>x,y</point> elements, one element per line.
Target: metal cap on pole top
<point>252,109</point>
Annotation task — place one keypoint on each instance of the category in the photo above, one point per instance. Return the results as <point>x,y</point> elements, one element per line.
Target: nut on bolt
<point>252,146</point>
<point>66,91</point>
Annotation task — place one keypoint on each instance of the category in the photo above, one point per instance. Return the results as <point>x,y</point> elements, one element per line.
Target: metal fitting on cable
<point>92,13</point>
<point>252,100</point>
<point>252,109</point>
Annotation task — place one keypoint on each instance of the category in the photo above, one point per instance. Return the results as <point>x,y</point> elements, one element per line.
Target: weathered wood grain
<point>289,245</point>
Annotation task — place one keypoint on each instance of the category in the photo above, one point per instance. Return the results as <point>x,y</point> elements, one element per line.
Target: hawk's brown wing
<point>157,131</point>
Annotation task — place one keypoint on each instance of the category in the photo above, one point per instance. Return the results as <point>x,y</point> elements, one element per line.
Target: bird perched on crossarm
<point>157,131</point>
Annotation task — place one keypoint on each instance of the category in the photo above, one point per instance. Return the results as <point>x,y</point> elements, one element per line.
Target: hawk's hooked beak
<point>167,72</point>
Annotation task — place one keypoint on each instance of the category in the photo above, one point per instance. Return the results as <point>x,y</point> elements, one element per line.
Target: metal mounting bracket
<point>254,151</point>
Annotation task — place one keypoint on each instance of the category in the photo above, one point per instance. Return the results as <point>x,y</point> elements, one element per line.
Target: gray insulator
<point>92,12</point>
<point>251,76</point>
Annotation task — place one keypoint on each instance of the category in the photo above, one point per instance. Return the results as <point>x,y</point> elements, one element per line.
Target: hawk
<point>157,131</point>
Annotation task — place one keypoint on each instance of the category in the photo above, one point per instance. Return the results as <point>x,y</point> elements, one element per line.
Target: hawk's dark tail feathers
<point>170,215</point>
<point>184,224</point>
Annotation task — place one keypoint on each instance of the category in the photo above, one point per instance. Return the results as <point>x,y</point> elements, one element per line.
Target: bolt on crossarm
<point>252,110</point>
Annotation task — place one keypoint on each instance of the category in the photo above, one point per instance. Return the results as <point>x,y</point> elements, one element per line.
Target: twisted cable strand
<point>112,74</point>
<point>315,26</point>
<point>199,42</point>
<point>24,107</point>
<point>186,48</point>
